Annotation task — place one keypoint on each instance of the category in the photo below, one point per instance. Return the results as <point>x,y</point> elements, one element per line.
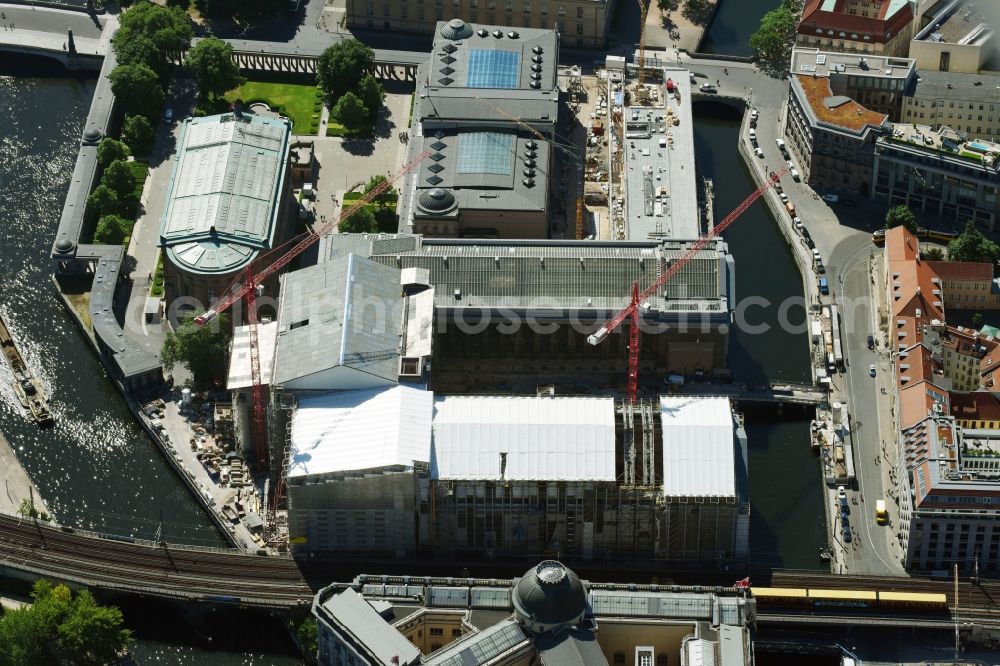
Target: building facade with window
<point>875,27</point>
<point>967,103</point>
<point>580,23</point>
<point>938,173</point>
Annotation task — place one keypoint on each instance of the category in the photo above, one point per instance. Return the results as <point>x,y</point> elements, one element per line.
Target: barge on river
<point>28,388</point>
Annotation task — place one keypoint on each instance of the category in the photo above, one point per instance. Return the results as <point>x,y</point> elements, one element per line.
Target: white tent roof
<point>239,360</point>
<point>340,431</point>
<point>570,439</point>
<point>699,458</point>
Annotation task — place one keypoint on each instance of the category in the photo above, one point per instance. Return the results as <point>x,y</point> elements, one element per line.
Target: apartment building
<point>831,134</point>
<point>937,172</point>
<point>967,103</point>
<point>967,285</point>
<point>875,27</point>
<point>580,23</point>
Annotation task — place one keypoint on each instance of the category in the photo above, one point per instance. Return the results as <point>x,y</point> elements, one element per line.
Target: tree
<point>668,5</point>
<point>350,112</point>
<point>977,319</point>
<point>772,43</point>
<point>203,349</point>
<point>61,628</point>
<point>140,50</point>
<point>103,201</point>
<point>901,215</point>
<point>211,60</point>
<point>109,150</point>
<point>119,178</point>
<point>972,245</point>
<point>372,95</point>
<point>91,632</point>
<point>307,635</point>
<point>112,230</point>
<point>138,133</point>
<point>932,254</point>
<point>168,28</point>
<point>362,221</point>
<point>341,67</point>
<point>137,87</point>
<point>387,196</point>
<point>698,11</point>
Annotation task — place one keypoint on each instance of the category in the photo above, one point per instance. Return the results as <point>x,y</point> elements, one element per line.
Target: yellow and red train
<point>789,596</point>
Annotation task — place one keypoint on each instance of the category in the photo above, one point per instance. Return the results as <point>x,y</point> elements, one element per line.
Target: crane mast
<point>632,310</point>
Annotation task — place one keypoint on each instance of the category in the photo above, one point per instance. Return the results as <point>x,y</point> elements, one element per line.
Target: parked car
<point>831,198</point>
<point>871,342</point>
<point>780,144</point>
<point>842,492</point>
<point>847,533</point>
<point>753,114</point>
<point>758,152</point>
<point>789,164</point>
<point>784,197</point>
<point>168,115</point>
<point>795,174</point>
<point>808,241</point>
<point>871,370</point>
<point>797,221</point>
<point>753,134</point>
<point>707,88</point>
<point>824,286</point>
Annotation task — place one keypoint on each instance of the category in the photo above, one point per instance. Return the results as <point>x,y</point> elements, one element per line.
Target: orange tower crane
<point>250,285</point>
<point>632,310</point>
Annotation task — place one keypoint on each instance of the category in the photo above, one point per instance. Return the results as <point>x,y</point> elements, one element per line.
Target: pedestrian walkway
<point>17,484</point>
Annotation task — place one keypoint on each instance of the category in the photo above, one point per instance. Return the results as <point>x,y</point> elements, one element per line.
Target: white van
<point>781,144</point>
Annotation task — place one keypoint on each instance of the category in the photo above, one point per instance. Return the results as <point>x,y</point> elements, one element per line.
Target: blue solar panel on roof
<point>489,68</point>
<point>485,152</point>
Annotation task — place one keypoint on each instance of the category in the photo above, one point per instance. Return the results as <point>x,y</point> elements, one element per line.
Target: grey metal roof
<point>473,106</point>
<point>623,603</point>
<point>349,611</point>
<point>224,193</point>
<point>808,60</point>
<point>480,647</point>
<point>575,647</point>
<point>461,52</point>
<point>345,312</point>
<point>661,192</point>
<point>477,191</point>
<point>933,85</point>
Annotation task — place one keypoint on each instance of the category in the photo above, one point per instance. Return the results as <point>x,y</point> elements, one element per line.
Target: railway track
<point>174,571</point>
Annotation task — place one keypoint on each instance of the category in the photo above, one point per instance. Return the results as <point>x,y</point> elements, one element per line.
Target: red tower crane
<point>632,310</point>
<point>249,285</point>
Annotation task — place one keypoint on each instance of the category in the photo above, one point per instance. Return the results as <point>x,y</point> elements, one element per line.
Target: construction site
<point>484,396</point>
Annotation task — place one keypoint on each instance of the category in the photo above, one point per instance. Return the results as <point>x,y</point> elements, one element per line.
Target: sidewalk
<point>17,484</point>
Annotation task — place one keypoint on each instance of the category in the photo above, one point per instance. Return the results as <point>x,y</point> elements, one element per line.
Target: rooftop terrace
<point>837,110</point>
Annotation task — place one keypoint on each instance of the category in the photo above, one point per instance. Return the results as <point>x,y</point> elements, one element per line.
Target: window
<point>579,12</point>
<point>562,11</point>
<point>437,631</point>
<point>579,28</point>
<point>527,7</point>
<point>455,633</point>
<point>619,657</point>
<point>544,10</point>
<point>491,4</point>
<point>509,5</point>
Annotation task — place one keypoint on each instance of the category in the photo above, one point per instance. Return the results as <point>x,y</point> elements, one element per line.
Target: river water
<point>786,515</point>
<point>734,22</point>
<point>96,468</point>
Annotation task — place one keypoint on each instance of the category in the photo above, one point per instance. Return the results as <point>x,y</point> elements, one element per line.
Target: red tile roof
<point>880,29</point>
<point>962,270</point>
<point>976,405</point>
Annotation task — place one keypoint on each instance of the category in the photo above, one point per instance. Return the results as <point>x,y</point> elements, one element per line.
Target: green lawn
<point>295,100</point>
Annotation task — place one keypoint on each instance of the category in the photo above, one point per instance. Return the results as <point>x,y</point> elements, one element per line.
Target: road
<point>42,19</point>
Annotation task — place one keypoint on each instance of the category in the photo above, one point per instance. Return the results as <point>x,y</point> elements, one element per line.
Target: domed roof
<point>436,201</point>
<point>550,594</point>
<point>456,29</point>
<point>64,245</point>
<point>92,135</point>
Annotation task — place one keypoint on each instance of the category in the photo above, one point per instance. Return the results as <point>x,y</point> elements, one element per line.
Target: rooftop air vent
<point>528,182</point>
<point>498,34</point>
<point>536,67</point>
<point>513,34</point>
<point>435,168</point>
<point>437,157</point>
<point>537,59</point>
<point>535,84</point>
<point>439,134</point>
<point>434,180</point>
<point>483,32</point>
<point>446,70</point>
<point>537,50</point>
<point>439,145</point>
<point>531,145</point>
<point>446,81</point>
<point>449,48</point>
<point>530,154</point>
<point>448,60</point>
<point>529,173</point>
<point>530,164</point>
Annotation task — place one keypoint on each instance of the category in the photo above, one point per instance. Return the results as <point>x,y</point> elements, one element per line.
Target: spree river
<point>96,468</point>
<point>734,22</point>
